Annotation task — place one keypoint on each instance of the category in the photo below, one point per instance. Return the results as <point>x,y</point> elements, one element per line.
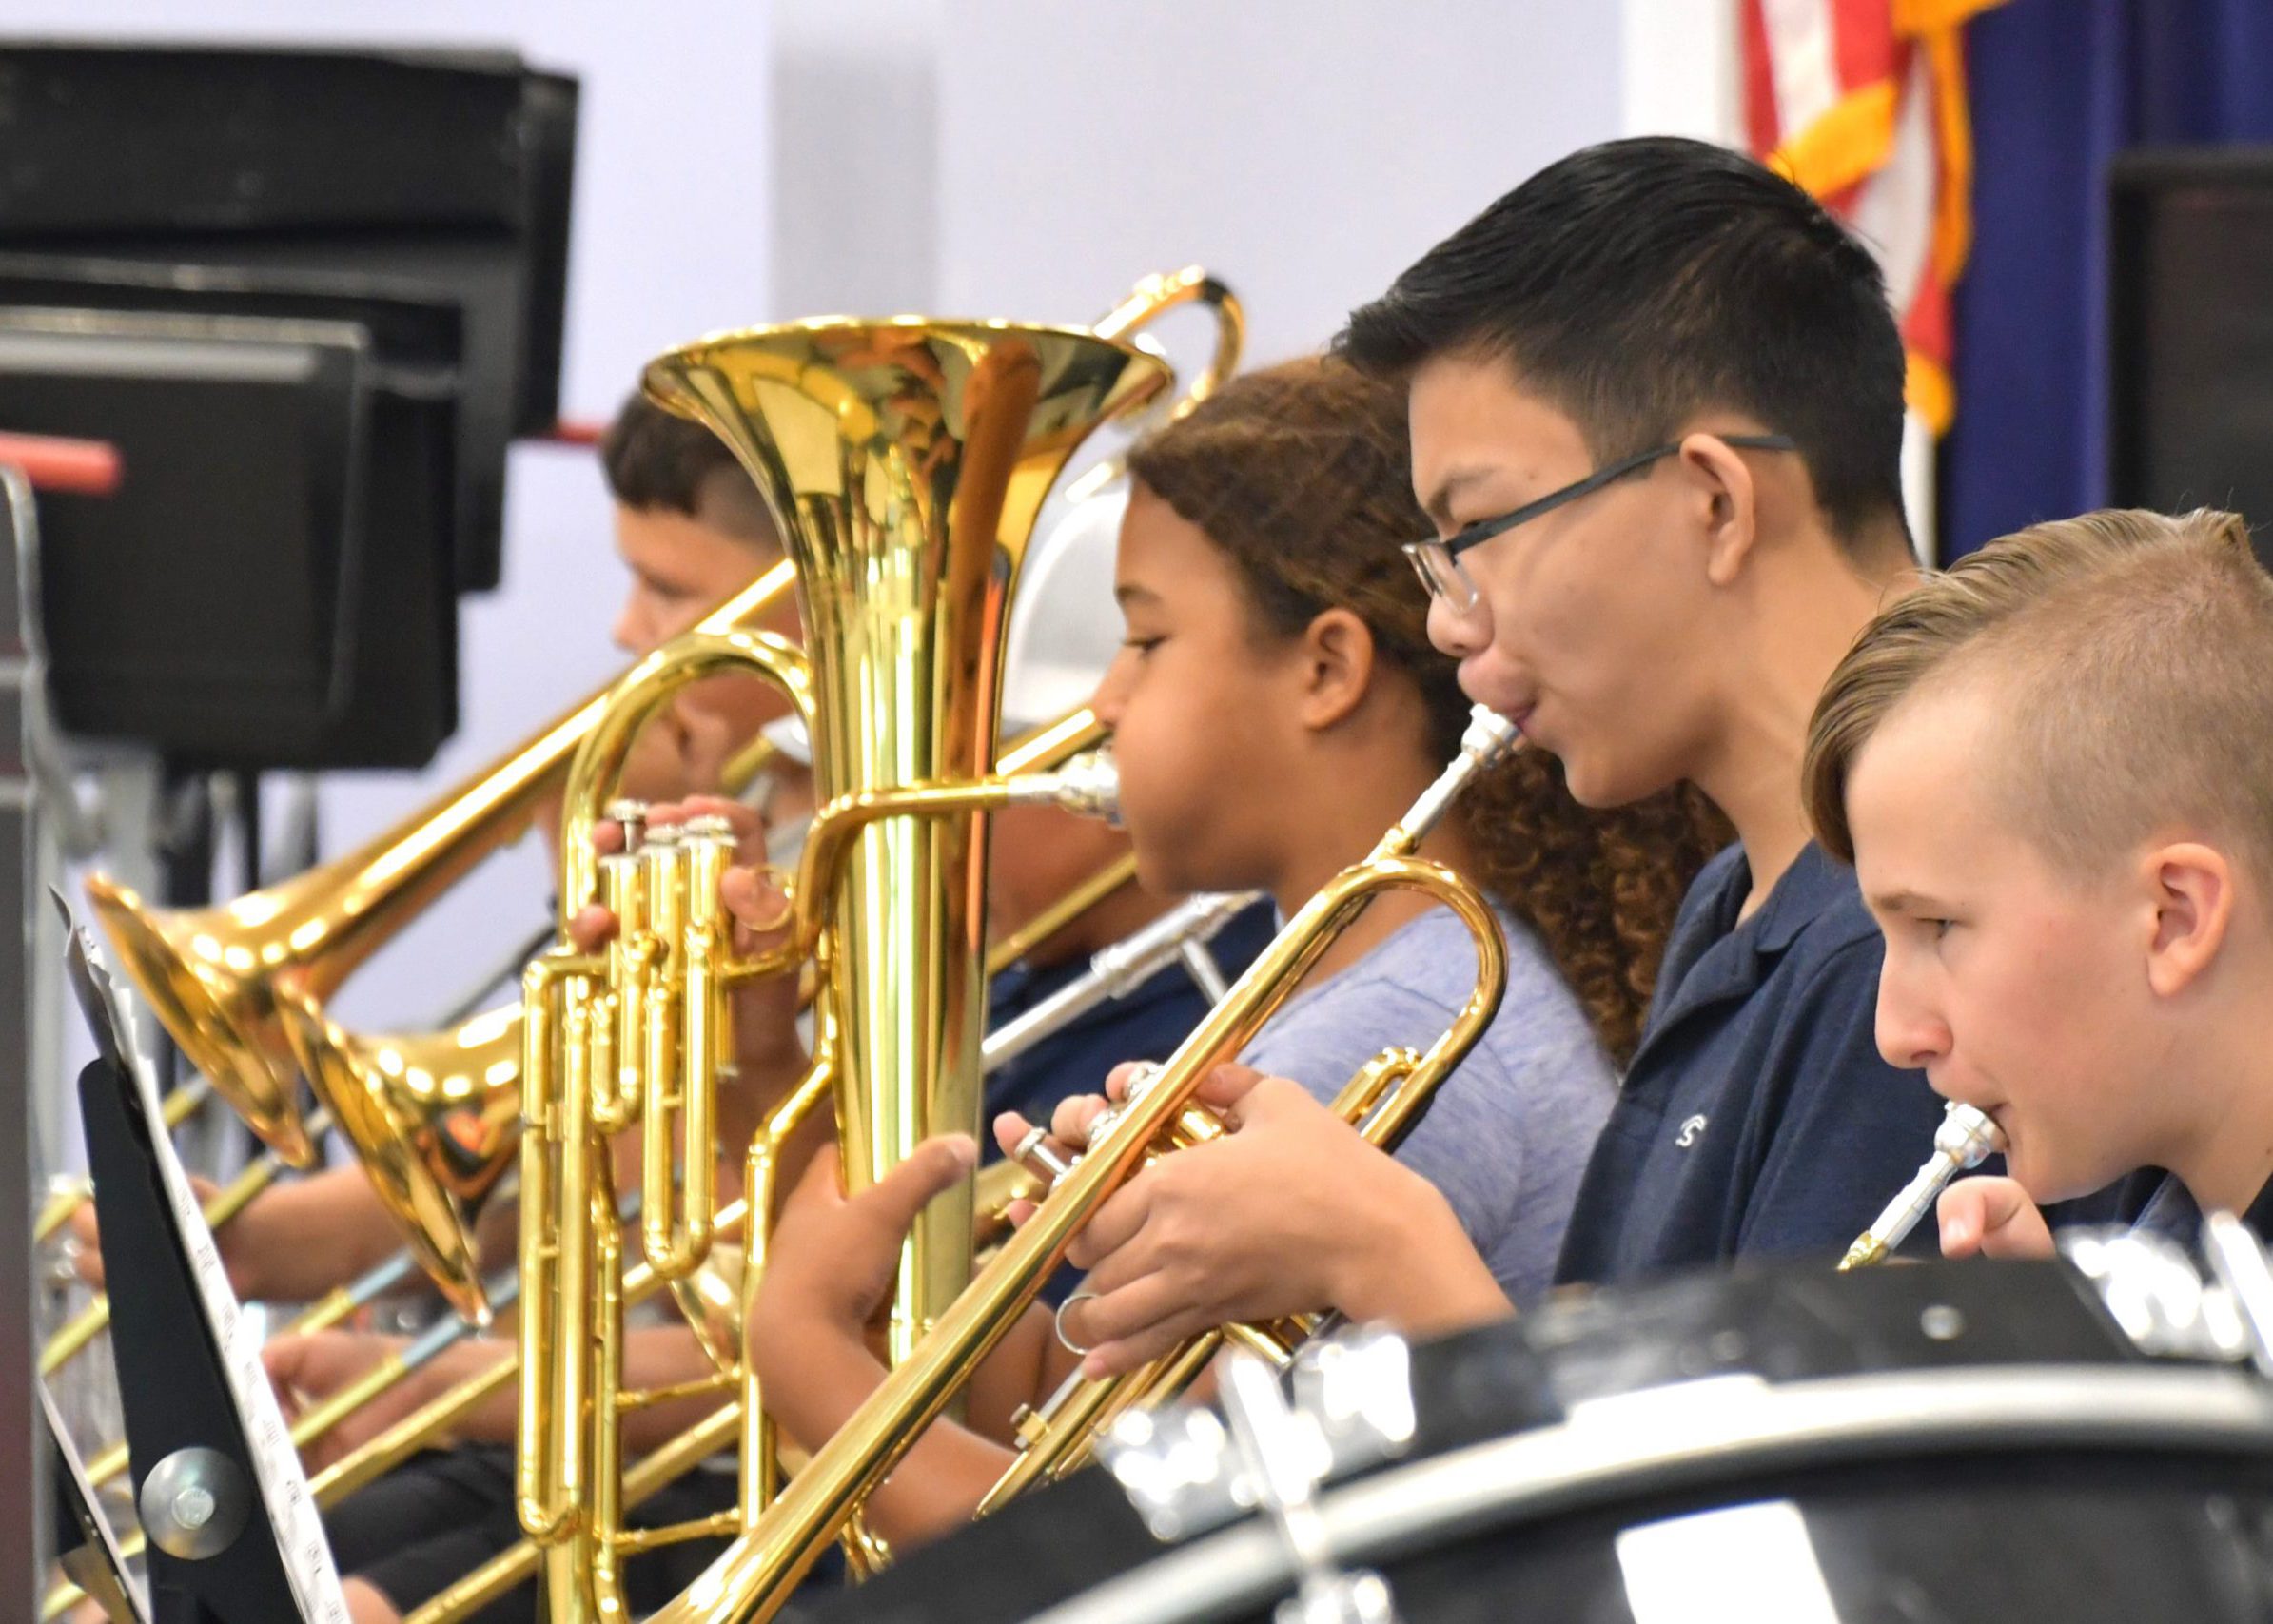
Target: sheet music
<point>282,1480</point>
<point>103,1547</point>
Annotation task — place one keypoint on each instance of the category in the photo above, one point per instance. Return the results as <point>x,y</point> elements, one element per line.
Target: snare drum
<point>1944,1443</point>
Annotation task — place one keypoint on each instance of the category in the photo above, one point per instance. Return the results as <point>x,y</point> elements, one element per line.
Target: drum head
<point>1938,1444</point>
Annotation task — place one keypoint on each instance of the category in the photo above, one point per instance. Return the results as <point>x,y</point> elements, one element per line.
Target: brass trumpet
<point>757,1571</point>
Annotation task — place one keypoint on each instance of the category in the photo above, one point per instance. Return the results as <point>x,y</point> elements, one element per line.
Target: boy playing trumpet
<point>2052,769</point>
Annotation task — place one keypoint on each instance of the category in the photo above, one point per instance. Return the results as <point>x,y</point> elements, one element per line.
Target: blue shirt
<point>1758,1116</point>
<point>1506,1134</point>
<point>2172,1211</point>
<point>1147,1022</point>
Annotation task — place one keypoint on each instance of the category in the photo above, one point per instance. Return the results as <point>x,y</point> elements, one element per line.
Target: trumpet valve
<point>1035,1155</point>
<point>630,816</point>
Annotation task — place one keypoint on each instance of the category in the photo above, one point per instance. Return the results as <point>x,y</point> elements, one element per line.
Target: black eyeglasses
<point>1438,562</point>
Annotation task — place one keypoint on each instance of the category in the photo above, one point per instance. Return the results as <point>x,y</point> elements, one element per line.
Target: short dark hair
<point>1300,476</point>
<point>1637,283</point>
<point>656,460</point>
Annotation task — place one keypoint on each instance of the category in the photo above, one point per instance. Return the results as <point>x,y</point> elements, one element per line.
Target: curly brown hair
<point>1300,473</point>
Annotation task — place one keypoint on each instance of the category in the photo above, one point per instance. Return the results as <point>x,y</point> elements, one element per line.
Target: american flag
<point>1862,102</point>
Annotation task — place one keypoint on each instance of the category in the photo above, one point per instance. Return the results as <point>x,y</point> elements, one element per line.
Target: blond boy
<point>2052,769</point>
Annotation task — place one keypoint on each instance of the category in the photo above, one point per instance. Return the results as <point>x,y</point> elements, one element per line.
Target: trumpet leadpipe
<point>1965,1139</point>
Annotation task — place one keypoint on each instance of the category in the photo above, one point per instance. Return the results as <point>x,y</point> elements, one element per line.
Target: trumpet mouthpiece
<point>1968,1137</point>
<point>1491,739</point>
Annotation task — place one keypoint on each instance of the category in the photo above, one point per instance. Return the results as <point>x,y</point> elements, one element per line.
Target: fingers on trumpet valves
<point>1053,1150</point>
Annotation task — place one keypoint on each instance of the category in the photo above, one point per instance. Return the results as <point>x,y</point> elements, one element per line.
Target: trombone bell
<point>207,988</point>
<point>435,1121</point>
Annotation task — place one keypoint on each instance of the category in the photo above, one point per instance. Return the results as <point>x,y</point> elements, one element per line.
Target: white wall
<point>739,163</point>
<point>1306,150</point>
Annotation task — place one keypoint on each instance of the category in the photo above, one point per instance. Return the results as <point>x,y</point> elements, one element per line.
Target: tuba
<point>906,463</point>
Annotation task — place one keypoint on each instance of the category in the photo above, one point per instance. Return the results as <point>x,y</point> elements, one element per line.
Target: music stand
<point>234,1534</point>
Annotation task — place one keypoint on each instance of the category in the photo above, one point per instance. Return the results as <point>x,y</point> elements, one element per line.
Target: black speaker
<point>2191,336</point>
<point>270,586</point>
<point>448,174</point>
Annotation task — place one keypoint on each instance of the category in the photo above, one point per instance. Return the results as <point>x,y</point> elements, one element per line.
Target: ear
<point>2191,887</point>
<point>1337,657</point>
<point>1717,490</point>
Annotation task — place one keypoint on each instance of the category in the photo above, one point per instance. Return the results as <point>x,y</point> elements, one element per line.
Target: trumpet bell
<point>216,996</point>
<point>435,1121</point>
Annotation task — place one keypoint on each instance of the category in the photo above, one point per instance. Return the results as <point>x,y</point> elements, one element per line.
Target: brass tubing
<point>757,1572</point>
<point>212,975</point>
<point>830,838</point>
<point>1162,292</point>
<point>516,1563</point>
<point>719,1525</point>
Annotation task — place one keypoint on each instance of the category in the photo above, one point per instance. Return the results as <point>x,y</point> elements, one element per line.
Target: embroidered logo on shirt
<point>1691,1132</point>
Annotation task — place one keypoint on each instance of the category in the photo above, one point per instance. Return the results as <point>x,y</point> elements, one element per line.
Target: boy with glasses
<point>1656,400</point>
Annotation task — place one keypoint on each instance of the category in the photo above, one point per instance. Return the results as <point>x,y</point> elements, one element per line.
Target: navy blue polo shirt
<point>2171,1211</point>
<point>1758,1116</point>
<point>1147,1022</point>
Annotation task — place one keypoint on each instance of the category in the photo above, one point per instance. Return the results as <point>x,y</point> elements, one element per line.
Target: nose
<point>1910,1032</point>
<point>630,633</point>
<point>1113,689</point>
<point>1459,632</point>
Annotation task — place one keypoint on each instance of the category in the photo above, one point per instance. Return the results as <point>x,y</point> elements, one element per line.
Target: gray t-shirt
<point>1508,1133</point>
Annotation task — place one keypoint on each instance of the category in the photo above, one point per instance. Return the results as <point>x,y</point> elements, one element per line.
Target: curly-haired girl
<point>1275,708</point>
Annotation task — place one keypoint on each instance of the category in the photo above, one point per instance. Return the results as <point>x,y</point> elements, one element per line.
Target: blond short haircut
<point>2130,654</point>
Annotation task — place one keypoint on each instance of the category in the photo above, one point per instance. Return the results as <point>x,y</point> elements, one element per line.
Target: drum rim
<point>1689,1436</point>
